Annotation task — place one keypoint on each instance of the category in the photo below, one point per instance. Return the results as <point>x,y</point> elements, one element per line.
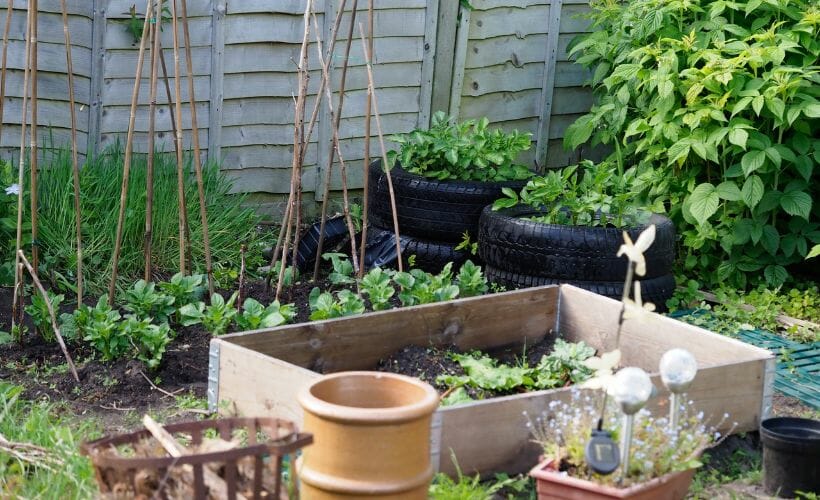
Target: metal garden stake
<point>631,390</point>
<point>678,370</point>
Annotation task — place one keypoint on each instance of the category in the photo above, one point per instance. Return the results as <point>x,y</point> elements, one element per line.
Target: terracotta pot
<point>371,435</point>
<point>553,485</point>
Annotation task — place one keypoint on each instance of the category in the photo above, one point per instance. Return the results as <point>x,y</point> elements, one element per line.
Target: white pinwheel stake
<point>678,370</point>
<point>631,389</point>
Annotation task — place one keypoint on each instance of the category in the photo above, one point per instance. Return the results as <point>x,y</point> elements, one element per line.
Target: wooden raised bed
<point>259,373</point>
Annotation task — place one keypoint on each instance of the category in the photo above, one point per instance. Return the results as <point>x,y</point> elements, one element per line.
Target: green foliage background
<point>717,102</point>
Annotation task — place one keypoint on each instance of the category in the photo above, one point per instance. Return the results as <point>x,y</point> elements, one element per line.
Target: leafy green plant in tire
<point>467,151</point>
<point>718,102</point>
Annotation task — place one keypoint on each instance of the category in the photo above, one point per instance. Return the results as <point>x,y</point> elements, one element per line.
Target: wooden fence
<point>505,59</point>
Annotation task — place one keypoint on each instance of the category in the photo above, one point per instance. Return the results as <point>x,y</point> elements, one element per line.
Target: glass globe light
<point>631,389</point>
<point>678,369</point>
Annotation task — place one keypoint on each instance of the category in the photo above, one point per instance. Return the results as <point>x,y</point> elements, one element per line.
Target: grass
<point>230,224</point>
<point>64,473</point>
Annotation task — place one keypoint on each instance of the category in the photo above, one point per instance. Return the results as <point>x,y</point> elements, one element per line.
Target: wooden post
<point>217,80</point>
<point>445,48</point>
<point>154,31</point>
<point>368,111</point>
<point>9,10</point>
<point>183,215</point>
<point>428,63</point>
<point>129,146</point>
<point>21,168</point>
<point>75,163</point>
<point>33,194</point>
<point>548,89</point>
<point>459,58</point>
<point>97,74</point>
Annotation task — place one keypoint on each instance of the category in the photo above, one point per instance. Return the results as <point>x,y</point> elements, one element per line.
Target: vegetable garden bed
<point>260,372</point>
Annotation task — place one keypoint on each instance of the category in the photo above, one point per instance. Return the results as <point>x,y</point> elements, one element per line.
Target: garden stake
<point>366,166</point>
<point>306,141</point>
<point>334,144</point>
<point>203,210</point>
<point>54,325</point>
<point>18,273</point>
<point>183,216</point>
<point>242,250</point>
<point>372,93</point>
<point>75,163</point>
<point>335,148</point>
<point>129,145</point>
<point>9,10</point>
<point>152,120</point>
<point>169,99</point>
<point>35,258</point>
<point>297,141</point>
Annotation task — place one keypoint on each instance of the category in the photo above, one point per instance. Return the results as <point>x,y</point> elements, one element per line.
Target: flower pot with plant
<point>442,178</point>
<point>566,226</point>
<point>609,446</point>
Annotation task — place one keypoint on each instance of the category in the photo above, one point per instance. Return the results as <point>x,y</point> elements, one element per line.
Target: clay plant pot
<point>371,436</point>
<point>554,485</point>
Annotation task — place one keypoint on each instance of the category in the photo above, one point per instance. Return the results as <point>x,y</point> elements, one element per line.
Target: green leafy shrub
<point>587,194</point>
<point>324,306</point>
<point>184,289</point>
<point>255,315</point>
<point>216,317</point>
<point>99,326</point>
<point>418,287</point>
<point>471,280</point>
<point>377,285</point>
<point>40,316</point>
<point>149,339</point>
<point>145,302</point>
<point>466,151</point>
<point>718,102</point>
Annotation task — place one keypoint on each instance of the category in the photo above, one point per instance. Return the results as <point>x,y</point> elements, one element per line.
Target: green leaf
<point>804,166</point>
<point>815,251</point>
<point>679,151</point>
<point>796,203</point>
<point>776,106</point>
<point>752,191</point>
<point>774,155</point>
<point>770,239</point>
<point>775,275</point>
<point>738,137</point>
<point>729,191</point>
<point>752,161</point>
<point>757,104</point>
<point>703,202</point>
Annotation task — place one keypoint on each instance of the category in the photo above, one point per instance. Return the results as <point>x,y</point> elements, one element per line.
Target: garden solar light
<point>631,390</point>
<point>678,370</point>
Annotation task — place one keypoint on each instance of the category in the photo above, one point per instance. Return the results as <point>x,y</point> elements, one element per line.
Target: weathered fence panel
<point>505,59</point>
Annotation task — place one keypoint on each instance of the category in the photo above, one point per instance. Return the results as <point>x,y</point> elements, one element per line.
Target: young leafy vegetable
<point>324,306</point>
<point>254,315</point>
<point>216,317</point>
<point>38,310</point>
<point>144,301</point>
<point>150,340</point>
<point>184,289</point>
<point>471,280</point>
<point>342,273</point>
<point>99,326</point>
<point>379,288</point>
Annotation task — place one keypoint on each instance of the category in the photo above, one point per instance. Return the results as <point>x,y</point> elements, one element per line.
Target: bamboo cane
<point>203,210</point>
<point>33,194</point>
<point>129,145</point>
<point>335,118</point>
<point>183,217</point>
<point>298,143</point>
<point>9,10</point>
<point>170,100</point>
<point>334,147</point>
<point>152,121</point>
<point>366,167</point>
<point>75,163</point>
<point>54,325</point>
<point>306,136</point>
<point>18,274</point>
<point>371,90</point>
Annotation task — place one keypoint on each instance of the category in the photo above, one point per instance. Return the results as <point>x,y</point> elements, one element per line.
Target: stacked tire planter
<point>518,252</point>
<point>433,215</point>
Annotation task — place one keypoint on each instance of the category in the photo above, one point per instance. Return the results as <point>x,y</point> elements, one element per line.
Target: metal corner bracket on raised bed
<point>213,377</point>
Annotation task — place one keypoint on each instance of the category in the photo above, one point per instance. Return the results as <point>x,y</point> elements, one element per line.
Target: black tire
<point>508,242</point>
<point>430,255</point>
<point>656,290</point>
<point>336,233</point>
<point>429,208</point>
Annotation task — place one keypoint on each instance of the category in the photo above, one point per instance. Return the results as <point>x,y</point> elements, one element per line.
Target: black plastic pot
<point>791,455</point>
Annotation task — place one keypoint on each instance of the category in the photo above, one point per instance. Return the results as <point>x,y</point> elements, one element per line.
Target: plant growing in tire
<point>442,178</point>
<point>567,226</point>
